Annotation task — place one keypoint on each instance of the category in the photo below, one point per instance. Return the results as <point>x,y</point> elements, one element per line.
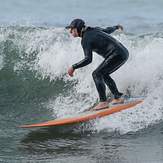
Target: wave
<point>39,58</point>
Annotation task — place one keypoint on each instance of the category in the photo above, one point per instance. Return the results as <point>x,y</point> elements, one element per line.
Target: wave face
<point>34,62</point>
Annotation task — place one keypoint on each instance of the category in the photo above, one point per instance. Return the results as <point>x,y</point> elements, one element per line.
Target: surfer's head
<point>76,27</point>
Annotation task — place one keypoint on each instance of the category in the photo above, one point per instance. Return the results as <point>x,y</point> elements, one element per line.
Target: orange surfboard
<point>85,116</point>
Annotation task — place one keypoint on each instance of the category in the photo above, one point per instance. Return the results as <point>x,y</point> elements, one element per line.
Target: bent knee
<point>96,74</point>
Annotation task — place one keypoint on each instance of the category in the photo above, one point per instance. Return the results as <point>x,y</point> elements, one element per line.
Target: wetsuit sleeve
<point>87,60</point>
<point>110,30</point>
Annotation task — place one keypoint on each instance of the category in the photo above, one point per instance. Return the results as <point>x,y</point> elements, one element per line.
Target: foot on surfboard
<point>118,101</point>
<point>101,105</point>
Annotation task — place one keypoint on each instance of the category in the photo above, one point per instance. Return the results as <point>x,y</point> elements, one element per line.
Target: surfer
<point>96,39</point>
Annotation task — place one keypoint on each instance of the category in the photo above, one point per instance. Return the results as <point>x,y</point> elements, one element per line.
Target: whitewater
<point>35,54</point>
<point>48,52</point>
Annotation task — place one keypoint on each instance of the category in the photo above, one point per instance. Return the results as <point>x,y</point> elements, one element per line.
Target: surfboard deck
<point>87,115</point>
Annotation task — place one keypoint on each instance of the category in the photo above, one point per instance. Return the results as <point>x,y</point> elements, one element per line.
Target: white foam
<point>1,62</point>
<point>141,75</point>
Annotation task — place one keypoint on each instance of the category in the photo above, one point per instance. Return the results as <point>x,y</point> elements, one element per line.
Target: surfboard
<point>86,116</point>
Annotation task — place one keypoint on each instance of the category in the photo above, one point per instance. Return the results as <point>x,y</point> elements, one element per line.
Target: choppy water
<point>135,15</point>
<point>35,52</point>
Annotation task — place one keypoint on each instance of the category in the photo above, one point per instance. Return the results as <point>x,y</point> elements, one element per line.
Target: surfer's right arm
<point>110,30</point>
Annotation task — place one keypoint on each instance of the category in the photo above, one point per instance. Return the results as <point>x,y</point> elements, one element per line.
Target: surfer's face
<point>74,32</point>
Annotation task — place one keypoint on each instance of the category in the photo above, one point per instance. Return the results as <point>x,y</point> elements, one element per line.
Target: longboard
<point>86,116</point>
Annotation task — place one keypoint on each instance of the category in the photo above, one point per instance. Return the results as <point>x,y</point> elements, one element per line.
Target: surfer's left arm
<point>87,60</point>
<point>110,30</point>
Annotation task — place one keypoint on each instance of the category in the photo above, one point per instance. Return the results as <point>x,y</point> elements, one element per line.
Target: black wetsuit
<point>114,53</point>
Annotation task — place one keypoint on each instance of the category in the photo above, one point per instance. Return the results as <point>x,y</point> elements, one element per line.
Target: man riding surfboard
<point>95,39</point>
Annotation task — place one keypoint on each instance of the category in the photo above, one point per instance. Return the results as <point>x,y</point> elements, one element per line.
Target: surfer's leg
<point>112,86</point>
<point>102,75</point>
<point>100,84</point>
<point>110,65</point>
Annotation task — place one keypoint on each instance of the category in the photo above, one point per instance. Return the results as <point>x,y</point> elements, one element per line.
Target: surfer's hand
<point>71,71</point>
<point>120,27</point>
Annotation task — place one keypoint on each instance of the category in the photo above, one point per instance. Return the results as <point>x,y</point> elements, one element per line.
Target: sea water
<point>35,53</point>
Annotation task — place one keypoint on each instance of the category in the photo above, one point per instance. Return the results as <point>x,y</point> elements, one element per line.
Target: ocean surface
<point>35,52</point>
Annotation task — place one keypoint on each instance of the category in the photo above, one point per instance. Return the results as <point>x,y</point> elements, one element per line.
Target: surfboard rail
<point>86,117</point>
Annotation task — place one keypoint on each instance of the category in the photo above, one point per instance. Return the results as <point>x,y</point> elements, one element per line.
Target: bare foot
<point>101,105</point>
<point>117,101</point>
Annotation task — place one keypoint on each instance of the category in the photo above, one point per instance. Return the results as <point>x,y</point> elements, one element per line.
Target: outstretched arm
<point>110,30</point>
